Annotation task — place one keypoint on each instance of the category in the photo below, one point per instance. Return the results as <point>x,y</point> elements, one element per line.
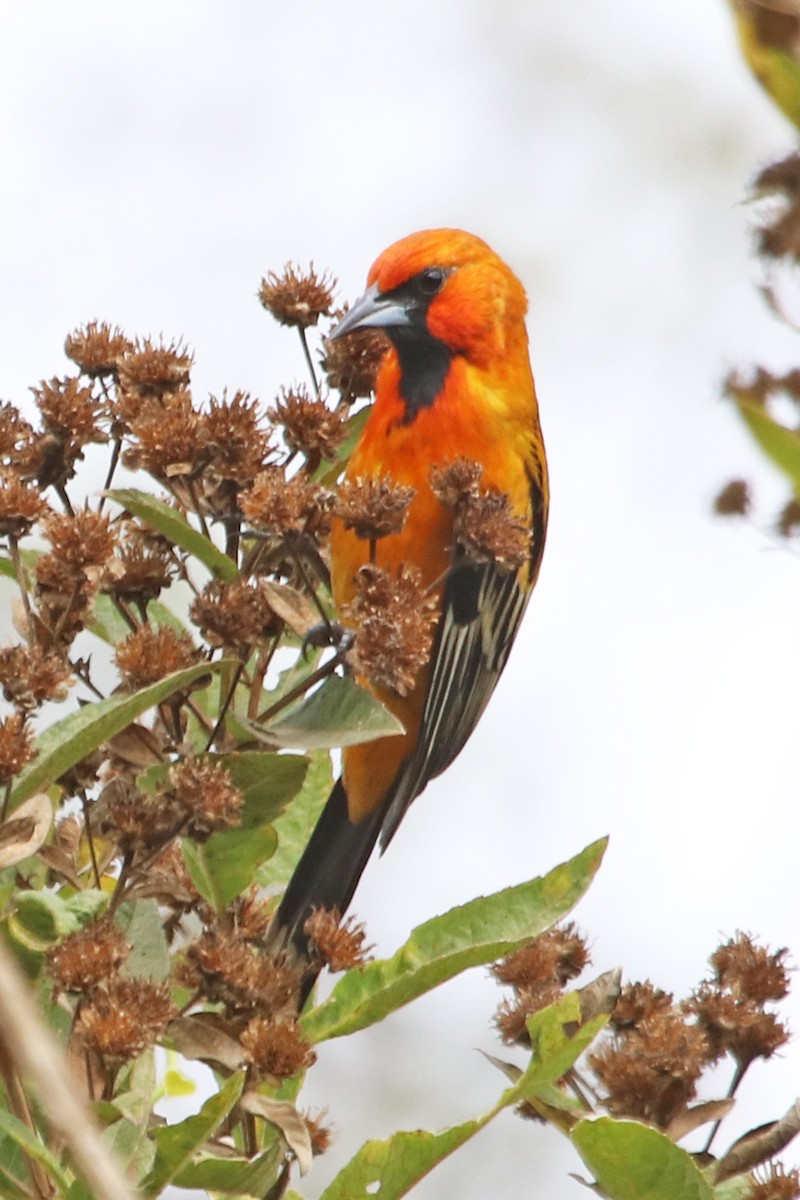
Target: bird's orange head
<point>439,293</point>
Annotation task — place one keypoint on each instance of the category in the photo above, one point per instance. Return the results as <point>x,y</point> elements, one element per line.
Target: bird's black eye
<point>431,281</point>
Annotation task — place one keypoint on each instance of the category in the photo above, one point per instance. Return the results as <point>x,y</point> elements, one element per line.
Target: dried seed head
<point>151,654</point>
<point>141,570</point>
<point>70,414</point>
<point>751,971</point>
<point>30,675</point>
<point>236,615</point>
<point>775,1183</point>
<point>351,363</point>
<point>276,1049</point>
<point>309,426</point>
<point>17,442</point>
<point>279,507</point>
<point>80,541</point>
<point>734,499</point>
<point>223,966</point>
<point>320,1133</point>
<point>16,749</point>
<point>373,508</point>
<point>167,438</point>
<point>21,505</point>
<point>556,956</point>
<point>650,1070</point>
<point>96,348</point>
<point>205,790</point>
<point>637,1002</point>
<point>394,618</point>
<point>153,370</point>
<point>486,528</point>
<point>297,297</point>
<point>339,945</point>
<point>735,1026</point>
<point>236,438</point>
<point>512,1015</point>
<point>124,1017</point>
<point>85,959</point>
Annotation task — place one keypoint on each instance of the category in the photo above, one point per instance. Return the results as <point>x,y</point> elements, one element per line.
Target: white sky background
<point>158,158</point>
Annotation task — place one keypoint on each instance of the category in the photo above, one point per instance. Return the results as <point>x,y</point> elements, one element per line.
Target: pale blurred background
<point>158,158</point>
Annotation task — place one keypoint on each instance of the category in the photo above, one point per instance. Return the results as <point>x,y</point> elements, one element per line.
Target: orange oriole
<point>455,383</point>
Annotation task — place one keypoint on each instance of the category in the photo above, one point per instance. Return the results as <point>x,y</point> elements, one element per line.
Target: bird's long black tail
<point>325,877</point>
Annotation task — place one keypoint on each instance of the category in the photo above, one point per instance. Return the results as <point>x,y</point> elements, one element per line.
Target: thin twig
<point>237,675</point>
<point>309,363</point>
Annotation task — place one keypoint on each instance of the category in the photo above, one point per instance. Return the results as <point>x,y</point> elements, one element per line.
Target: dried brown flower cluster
<point>649,1065</point>
<point>538,974</point>
<point>295,297</point>
<point>486,528</point>
<point>394,617</point>
<point>339,944</point>
<point>373,508</point>
<point>351,364</point>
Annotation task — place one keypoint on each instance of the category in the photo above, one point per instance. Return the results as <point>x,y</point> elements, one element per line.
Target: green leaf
<point>770,50</point>
<point>339,713</point>
<point>225,865</point>
<point>468,936</point>
<point>41,918</point>
<point>630,1161</point>
<point>139,920</point>
<point>176,1144</point>
<point>238,1177</point>
<point>780,444</point>
<point>558,1037</point>
<point>397,1164</point>
<point>66,742</point>
<point>167,520</point>
<point>108,623</point>
<point>294,826</point>
<point>19,1133</point>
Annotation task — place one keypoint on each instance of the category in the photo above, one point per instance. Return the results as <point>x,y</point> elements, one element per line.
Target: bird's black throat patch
<point>424,365</point>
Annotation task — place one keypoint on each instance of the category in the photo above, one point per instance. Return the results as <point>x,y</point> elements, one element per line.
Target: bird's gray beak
<point>371,311</point>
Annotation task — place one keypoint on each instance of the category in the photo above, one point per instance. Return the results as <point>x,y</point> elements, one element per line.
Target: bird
<point>454,384</point>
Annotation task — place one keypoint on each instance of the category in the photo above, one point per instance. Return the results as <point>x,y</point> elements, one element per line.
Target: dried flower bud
<point>80,541</point>
<point>735,1026</point>
<point>650,1071</point>
<point>296,297</point>
<point>96,348</point>
<point>512,1015</point>
<point>486,528</point>
<point>280,507</point>
<point>224,967</point>
<point>309,426</point>
<point>394,619</point>
<point>320,1134</point>
<point>637,1002</point>
<point>277,1049</point>
<point>153,370</point>
<point>373,508</point>
<point>125,1017</point>
<point>351,363</point>
<point>70,415</point>
<point>85,959</point>
<point>339,945</point>
<point>751,971</point>
<point>151,654</point>
<point>205,790</point>
<point>236,615</point>
<point>775,1183</point>
<point>140,572</point>
<point>21,505</point>
<point>556,956</point>
<point>235,437</point>
<point>16,750</point>
<point>734,499</point>
<point>30,675</point>
<point>167,438</point>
